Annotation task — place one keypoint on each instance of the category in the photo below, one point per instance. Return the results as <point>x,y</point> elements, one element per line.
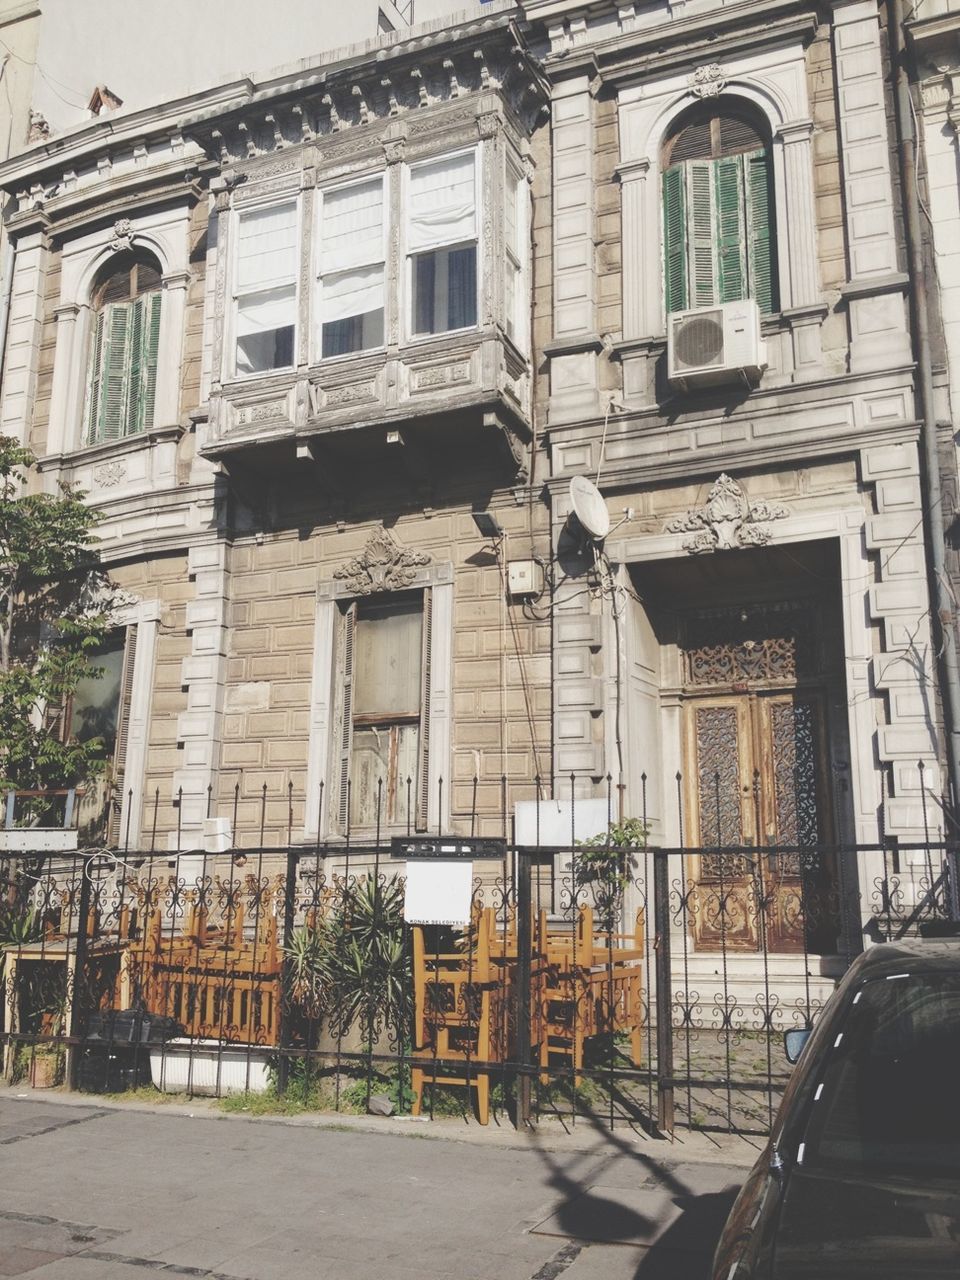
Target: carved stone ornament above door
<point>382,565</point>
<point>728,520</point>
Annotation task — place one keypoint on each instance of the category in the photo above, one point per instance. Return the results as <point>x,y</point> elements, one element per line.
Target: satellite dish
<point>589,508</point>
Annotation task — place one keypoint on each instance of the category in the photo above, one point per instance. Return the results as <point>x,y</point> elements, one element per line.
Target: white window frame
<point>517,259</point>
<point>380,176</point>
<point>231,371</point>
<point>407,302</point>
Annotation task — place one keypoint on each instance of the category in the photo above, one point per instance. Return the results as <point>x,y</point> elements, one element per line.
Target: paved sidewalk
<point>98,1192</point>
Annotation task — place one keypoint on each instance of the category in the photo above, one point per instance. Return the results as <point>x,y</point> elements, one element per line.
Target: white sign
<point>438,892</point>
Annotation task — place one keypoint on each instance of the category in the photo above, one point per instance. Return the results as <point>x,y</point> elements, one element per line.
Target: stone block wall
<point>501,701</point>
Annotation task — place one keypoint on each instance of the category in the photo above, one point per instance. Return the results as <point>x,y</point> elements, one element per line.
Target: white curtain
<point>267,248</point>
<point>351,232</point>
<point>442,205</point>
<point>272,309</point>
<point>352,293</point>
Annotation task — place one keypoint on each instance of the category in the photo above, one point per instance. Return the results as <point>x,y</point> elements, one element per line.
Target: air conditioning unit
<point>716,345</point>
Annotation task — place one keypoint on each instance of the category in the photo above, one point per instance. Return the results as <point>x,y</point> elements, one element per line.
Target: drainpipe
<point>941,596</point>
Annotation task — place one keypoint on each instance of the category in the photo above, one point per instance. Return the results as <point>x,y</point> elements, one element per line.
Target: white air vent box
<point>716,345</point>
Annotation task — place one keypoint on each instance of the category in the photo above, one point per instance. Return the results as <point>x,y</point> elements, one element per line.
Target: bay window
<point>352,257</point>
<point>441,243</point>
<point>266,289</point>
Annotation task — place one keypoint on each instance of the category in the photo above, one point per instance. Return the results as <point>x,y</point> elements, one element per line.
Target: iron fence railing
<point>650,989</point>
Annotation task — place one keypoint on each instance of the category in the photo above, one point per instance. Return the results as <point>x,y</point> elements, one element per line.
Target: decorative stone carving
<point>100,597</point>
<point>108,474</point>
<point>727,521</point>
<point>39,129</point>
<point>381,566</point>
<point>707,81</point>
<point>122,235</point>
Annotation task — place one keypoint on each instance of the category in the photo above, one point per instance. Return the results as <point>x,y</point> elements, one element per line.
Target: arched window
<point>122,380</point>
<point>719,233</point>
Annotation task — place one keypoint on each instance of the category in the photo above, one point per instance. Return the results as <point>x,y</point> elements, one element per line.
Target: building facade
<point>328,349</point>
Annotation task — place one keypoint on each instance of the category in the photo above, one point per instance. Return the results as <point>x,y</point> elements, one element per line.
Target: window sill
<point>93,453</point>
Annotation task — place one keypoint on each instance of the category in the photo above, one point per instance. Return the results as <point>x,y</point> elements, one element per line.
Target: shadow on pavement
<point>701,1219</point>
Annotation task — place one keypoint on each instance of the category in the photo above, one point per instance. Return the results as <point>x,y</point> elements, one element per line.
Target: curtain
<point>442,203</point>
<point>462,288</point>
<point>267,248</point>
<point>272,309</point>
<point>351,232</point>
<point>352,293</point>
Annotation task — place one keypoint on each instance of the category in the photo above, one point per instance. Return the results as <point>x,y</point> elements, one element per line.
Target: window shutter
<point>423,799</point>
<point>135,346</point>
<point>728,173</point>
<point>700,224</point>
<point>345,675</point>
<point>760,238</point>
<point>113,398</point>
<point>123,731</point>
<point>148,362</point>
<point>95,378</point>
<point>674,240</point>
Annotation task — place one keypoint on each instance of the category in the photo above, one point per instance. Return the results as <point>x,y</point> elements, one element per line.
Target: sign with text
<point>438,892</point>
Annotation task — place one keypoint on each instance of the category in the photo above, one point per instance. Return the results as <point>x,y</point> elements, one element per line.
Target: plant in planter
<point>605,865</point>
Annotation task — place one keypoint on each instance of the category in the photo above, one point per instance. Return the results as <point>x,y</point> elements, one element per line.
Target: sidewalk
<point>101,1190</point>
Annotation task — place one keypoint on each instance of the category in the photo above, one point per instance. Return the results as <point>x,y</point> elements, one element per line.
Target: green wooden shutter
<point>674,240</point>
<point>700,228</point>
<point>760,242</point>
<point>143,372</point>
<point>94,379</point>
<point>116,367</point>
<point>728,176</point>
<point>135,375</point>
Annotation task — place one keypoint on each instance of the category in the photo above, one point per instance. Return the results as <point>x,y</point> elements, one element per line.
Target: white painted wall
<point>148,52</point>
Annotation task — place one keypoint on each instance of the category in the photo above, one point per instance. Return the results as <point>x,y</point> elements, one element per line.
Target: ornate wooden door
<point>757,776</point>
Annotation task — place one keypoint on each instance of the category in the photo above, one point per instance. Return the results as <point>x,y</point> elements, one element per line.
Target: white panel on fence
<point>438,892</point>
<point>547,822</point>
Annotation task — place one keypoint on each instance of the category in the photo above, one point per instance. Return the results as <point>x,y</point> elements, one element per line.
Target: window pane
<point>359,333</point>
<point>387,660</point>
<point>445,290</point>
<point>265,328</point>
<point>462,288</point>
<point>267,248</point>
<point>387,754</point>
<point>442,203</point>
<point>96,702</point>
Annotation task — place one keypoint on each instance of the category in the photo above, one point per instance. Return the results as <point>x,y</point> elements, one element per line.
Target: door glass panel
<point>718,777</point>
<point>795,752</point>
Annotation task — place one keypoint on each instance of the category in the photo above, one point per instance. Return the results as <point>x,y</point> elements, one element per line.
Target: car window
<point>887,1097</point>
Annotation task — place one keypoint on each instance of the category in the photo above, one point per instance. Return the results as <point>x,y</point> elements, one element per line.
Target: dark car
<point>861,1176</point>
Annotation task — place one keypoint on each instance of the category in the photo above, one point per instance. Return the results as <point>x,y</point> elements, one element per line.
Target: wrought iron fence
<point>627,984</point>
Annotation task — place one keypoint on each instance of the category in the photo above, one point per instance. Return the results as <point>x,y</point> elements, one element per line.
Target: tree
<point>49,628</point>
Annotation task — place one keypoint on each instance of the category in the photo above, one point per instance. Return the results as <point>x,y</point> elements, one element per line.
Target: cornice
<point>631,55</point>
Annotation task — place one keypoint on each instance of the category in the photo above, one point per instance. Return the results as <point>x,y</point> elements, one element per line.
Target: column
<point>166,405</point>
<point>63,431</point>
<point>573,352</point>
<point>24,326</point>
<point>800,294</point>
<point>876,287</point>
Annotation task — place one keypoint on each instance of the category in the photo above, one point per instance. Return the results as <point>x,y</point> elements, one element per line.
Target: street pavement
<point>97,1192</point>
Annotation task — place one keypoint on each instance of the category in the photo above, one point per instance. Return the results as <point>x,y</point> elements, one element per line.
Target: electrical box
<point>524,578</point>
